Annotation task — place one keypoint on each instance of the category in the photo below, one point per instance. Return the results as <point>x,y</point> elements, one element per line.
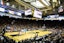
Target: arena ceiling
<point>39,3</point>
<point>46,6</point>
<point>42,5</point>
<point>36,3</point>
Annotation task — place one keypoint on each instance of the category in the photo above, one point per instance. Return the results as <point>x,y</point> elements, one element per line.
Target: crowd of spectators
<point>18,24</point>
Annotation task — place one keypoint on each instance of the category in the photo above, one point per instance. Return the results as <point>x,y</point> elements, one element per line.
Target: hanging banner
<point>60,9</point>
<point>28,12</point>
<point>37,14</point>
